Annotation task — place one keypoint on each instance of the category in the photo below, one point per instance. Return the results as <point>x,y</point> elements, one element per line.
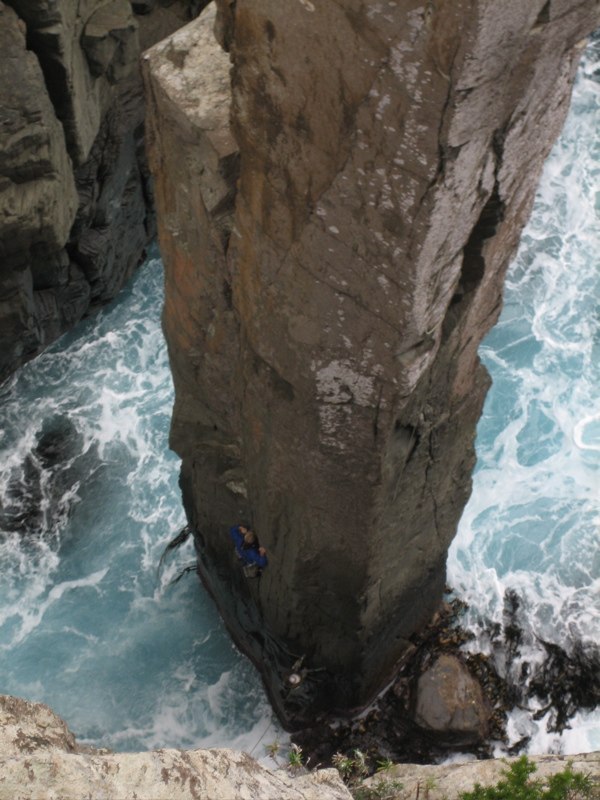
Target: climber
<point>251,554</point>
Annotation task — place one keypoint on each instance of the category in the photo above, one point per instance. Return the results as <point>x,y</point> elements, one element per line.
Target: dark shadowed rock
<point>108,41</point>
<point>75,193</point>
<point>40,490</point>
<point>37,192</point>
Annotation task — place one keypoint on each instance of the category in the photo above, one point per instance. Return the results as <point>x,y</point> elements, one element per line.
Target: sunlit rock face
<point>333,261</point>
<point>39,757</point>
<point>75,196</point>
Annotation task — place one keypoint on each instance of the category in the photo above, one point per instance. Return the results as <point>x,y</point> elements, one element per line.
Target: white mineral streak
<point>338,383</point>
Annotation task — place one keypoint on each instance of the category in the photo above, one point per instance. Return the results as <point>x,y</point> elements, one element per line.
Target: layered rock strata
<point>333,260</point>
<point>75,198</point>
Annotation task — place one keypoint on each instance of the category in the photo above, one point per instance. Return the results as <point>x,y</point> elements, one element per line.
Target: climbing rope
<point>261,738</point>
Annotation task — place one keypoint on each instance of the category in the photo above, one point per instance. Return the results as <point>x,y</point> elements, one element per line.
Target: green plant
<point>295,758</point>
<point>516,784</point>
<point>429,785</point>
<point>382,789</point>
<point>344,765</point>
<point>570,785</point>
<point>352,768</point>
<point>360,763</point>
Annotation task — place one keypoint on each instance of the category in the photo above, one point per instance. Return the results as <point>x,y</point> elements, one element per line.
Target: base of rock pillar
<point>236,597</point>
<point>298,691</point>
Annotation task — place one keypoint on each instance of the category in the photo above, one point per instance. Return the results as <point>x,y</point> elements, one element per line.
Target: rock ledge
<point>40,758</point>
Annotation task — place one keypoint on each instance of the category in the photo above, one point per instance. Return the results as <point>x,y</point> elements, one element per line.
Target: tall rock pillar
<point>324,306</point>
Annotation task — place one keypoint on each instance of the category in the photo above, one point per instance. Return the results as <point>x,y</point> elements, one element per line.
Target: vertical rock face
<point>75,202</point>
<point>324,308</point>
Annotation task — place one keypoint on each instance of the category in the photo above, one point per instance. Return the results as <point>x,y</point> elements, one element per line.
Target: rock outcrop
<point>449,781</point>
<point>332,262</point>
<point>39,758</point>
<point>75,196</point>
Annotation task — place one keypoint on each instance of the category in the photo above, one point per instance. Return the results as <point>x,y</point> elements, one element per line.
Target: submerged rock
<point>39,491</point>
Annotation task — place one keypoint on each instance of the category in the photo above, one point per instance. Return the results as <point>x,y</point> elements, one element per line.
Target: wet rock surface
<point>558,680</point>
<point>468,697</point>
<point>36,494</point>
<point>450,701</point>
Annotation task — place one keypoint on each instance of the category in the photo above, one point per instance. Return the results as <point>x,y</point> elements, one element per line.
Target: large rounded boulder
<point>449,703</point>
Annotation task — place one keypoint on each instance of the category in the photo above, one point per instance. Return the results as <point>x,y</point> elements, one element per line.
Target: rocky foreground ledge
<point>40,758</point>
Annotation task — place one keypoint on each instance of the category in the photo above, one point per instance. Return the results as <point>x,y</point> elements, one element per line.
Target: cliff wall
<point>335,247</point>
<point>75,196</point>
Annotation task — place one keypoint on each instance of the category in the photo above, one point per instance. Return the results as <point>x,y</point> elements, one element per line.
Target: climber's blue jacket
<point>248,555</point>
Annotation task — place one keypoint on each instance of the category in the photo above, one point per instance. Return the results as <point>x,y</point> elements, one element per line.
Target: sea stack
<point>340,188</point>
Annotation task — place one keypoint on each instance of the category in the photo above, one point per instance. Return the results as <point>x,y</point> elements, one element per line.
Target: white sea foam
<point>32,615</point>
<point>134,662</point>
<point>587,433</point>
<point>533,521</point>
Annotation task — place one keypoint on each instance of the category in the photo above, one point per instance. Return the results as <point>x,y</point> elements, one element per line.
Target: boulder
<point>27,727</point>
<point>450,703</point>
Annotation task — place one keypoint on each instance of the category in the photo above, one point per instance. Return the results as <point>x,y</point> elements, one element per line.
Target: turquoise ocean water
<point>89,497</point>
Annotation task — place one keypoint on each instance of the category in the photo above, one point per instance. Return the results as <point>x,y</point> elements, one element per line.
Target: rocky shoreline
<point>446,700</point>
<point>75,191</point>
